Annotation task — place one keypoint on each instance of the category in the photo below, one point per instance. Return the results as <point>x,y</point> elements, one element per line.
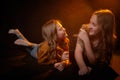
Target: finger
<point>56,65</point>
<point>61,68</point>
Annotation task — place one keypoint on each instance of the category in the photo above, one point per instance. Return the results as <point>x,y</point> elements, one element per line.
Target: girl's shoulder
<point>44,45</point>
<point>80,42</point>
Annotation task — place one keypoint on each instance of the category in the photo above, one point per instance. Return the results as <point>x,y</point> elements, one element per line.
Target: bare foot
<point>14,31</point>
<point>22,42</point>
<point>17,33</point>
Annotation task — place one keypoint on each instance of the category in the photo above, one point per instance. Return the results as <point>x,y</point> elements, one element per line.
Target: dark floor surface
<point>21,66</point>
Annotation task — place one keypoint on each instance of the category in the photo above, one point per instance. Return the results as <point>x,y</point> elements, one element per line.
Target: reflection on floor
<point>115,62</point>
<point>14,63</point>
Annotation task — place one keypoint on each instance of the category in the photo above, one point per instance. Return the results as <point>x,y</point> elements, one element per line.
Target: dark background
<point>29,15</point>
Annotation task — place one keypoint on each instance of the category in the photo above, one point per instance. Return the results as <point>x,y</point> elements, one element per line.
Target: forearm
<point>79,59</point>
<point>79,54</point>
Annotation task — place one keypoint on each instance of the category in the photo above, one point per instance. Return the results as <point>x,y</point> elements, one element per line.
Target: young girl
<point>54,50</point>
<point>94,44</point>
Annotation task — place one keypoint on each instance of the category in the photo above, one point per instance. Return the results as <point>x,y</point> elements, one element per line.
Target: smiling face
<point>94,27</point>
<point>61,32</point>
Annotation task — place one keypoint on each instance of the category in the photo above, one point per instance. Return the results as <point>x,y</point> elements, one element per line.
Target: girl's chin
<point>91,34</point>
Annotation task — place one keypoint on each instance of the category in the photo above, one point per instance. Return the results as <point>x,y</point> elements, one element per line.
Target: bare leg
<point>21,39</point>
<point>17,33</point>
<point>22,42</point>
<point>32,49</point>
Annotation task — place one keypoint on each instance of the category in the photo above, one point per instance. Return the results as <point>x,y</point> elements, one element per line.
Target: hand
<point>22,42</point>
<point>84,70</point>
<point>59,66</point>
<point>83,35</point>
<point>65,56</point>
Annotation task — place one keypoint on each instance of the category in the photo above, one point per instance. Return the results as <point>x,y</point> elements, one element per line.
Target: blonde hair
<point>49,53</point>
<point>106,19</point>
<point>49,32</point>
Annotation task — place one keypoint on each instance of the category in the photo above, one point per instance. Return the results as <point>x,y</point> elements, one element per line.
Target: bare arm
<point>89,52</point>
<point>61,65</point>
<point>83,69</point>
<point>64,61</point>
<point>79,55</point>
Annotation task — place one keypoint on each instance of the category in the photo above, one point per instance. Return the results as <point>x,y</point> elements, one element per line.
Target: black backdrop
<point>29,15</point>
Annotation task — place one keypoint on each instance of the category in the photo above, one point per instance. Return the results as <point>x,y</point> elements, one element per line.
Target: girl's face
<point>94,27</point>
<point>61,32</point>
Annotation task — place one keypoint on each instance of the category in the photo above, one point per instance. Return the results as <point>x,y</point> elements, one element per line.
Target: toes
<point>11,31</point>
